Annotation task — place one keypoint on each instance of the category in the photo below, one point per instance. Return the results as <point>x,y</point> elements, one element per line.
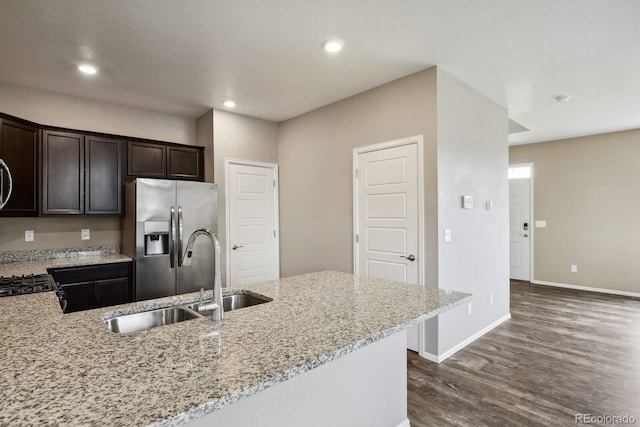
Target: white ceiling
<point>185,56</point>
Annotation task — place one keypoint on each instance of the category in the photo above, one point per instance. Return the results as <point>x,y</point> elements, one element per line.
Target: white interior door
<point>520,228</point>
<point>387,217</point>
<point>252,223</point>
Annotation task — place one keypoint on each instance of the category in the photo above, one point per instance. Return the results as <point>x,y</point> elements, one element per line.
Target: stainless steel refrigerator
<point>160,215</point>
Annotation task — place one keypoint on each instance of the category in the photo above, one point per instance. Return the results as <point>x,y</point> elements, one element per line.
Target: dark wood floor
<point>563,353</point>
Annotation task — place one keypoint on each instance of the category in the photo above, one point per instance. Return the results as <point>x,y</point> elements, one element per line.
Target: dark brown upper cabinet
<point>19,150</point>
<point>103,176</point>
<point>158,160</point>
<point>81,175</point>
<point>147,160</point>
<point>62,173</point>
<point>185,163</point>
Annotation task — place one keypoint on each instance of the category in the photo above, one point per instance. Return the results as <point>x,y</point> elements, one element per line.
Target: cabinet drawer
<point>91,273</point>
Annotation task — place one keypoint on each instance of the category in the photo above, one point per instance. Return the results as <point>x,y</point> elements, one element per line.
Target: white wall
<point>472,160</point>
<point>238,137</point>
<point>52,109</point>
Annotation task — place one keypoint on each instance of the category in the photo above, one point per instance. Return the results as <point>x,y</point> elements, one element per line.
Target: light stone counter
<point>19,263</point>
<point>71,370</point>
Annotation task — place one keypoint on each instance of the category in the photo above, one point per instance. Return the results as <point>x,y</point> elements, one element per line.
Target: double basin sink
<point>136,322</point>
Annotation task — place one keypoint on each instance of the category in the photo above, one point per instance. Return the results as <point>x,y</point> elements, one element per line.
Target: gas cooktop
<point>20,285</point>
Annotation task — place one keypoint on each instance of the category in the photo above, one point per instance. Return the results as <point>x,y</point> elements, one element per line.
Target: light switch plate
<point>85,234</point>
<point>541,224</point>
<point>28,235</point>
<point>467,202</point>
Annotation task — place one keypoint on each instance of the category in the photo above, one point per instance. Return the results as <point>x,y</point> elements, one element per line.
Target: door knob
<point>411,257</point>
<point>234,247</point>
<point>525,235</point>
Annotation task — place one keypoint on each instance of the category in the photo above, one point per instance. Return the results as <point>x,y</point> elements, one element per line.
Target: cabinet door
<point>62,173</point>
<point>147,160</point>
<point>185,163</point>
<point>19,150</point>
<point>103,176</point>
<point>79,296</point>
<point>111,292</point>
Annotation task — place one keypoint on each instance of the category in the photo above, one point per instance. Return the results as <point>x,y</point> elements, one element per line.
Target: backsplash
<point>58,232</point>
<point>40,254</point>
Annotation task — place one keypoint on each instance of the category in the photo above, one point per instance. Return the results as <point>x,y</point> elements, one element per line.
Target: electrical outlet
<point>574,268</point>
<point>28,235</point>
<point>447,235</point>
<point>85,234</point>
<point>490,297</point>
<point>469,309</point>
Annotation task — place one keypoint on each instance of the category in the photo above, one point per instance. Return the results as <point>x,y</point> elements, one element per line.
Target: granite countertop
<point>19,263</point>
<point>71,370</point>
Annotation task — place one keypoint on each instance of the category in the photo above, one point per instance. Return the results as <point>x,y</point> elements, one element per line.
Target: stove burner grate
<point>20,285</point>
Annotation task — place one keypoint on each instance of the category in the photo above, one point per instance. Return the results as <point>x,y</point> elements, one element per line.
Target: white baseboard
<point>586,288</point>
<point>444,356</point>
<point>404,423</point>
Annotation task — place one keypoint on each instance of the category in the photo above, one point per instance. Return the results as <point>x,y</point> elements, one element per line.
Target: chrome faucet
<point>218,311</point>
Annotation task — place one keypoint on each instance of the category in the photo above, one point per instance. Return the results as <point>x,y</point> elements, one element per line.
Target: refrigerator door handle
<point>172,233</point>
<point>180,231</point>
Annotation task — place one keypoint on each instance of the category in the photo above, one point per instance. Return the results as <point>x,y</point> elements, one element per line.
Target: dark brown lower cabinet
<point>95,286</point>
<point>111,292</point>
<point>79,296</point>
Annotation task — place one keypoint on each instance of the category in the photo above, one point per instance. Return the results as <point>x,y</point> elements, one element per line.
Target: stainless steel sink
<point>232,301</point>
<point>149,319</point>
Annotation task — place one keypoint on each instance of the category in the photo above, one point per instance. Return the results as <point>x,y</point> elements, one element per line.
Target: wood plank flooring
<point>563,353</point>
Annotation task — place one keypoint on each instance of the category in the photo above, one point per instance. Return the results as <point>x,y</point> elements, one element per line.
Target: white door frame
<point>227,163</point>
<point>532,222</point>
<point>419,141</point>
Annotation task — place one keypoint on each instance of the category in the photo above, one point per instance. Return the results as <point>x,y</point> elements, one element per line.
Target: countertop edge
<point>37,267</point>
<point>235,396</point>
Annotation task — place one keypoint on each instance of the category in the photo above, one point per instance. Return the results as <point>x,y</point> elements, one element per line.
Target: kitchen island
<point>71,370</point>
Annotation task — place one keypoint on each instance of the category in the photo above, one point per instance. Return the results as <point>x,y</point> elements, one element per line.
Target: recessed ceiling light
<point>563,98</point>
<point>229,103</point>
<point>333,45</point>
<point>88,69</point>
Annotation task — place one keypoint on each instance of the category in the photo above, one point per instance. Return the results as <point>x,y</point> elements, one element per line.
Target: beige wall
<point>204,138</point>
<point>65,111</point>
<point>58,232</point>
<point>53,109</point>
<point>315,156</point>
<point>472,160</point>
<point>239,137</point>
<point>587,190</point>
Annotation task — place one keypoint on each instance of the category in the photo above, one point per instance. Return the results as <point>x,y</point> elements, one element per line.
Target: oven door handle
<point>5,200</point>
